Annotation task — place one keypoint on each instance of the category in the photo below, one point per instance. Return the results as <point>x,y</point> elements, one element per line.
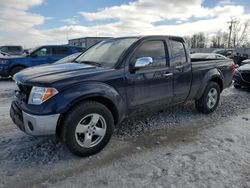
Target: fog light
<point>30,126</point>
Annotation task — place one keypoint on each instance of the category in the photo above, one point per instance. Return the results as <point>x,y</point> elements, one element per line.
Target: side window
<point>178,56</point>
<point>15,48</point>
<point>4,49</point>
<point>42,52</point>
<point>155,50</point>
<point>60,51</point>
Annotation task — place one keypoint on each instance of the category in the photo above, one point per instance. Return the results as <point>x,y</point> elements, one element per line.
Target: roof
<point>64,45</point>
<point>90,38</point>
<point>139,37</point>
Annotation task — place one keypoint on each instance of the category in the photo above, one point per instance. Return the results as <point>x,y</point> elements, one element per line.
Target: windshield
<point>33,50</point>
<point>68,59</point>
<point>106,53</point>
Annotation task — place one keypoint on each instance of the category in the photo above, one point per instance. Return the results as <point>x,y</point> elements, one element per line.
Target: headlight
<point>4,61</point>
<point>38,95</point>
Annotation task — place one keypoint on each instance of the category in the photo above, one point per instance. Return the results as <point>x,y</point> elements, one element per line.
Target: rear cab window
<point>178,55</point>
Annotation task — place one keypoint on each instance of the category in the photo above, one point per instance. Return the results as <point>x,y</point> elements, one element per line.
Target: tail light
<point>233,69</point>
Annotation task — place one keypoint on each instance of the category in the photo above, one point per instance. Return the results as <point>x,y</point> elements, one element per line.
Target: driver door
<point>150,84</point>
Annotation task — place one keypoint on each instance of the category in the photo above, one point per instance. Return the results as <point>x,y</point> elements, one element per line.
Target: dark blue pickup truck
<point>82,102</point>
<point>10,65</point>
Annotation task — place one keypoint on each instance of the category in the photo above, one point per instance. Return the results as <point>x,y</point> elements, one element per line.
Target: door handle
<point>168,75</point>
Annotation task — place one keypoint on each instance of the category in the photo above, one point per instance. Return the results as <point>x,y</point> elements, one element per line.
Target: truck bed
<point>203,68</point>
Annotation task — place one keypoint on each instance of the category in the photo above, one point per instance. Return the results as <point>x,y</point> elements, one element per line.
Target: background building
<point>86,42</point>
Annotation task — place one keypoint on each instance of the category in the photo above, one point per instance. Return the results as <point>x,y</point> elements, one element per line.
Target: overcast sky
<point>35,22</point>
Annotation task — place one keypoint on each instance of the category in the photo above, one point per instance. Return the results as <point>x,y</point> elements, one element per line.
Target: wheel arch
<point>97,98</point>
<point>219,81</point>
<point>15,66</point>
<point>213,75</point>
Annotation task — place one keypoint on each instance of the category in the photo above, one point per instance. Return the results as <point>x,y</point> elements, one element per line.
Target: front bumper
<point>238,80</point>
<point>33,124</point>
<point>4,72</point>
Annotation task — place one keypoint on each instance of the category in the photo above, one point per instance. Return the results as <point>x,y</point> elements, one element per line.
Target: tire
<point>15,70</point>
<point>237,86</point>
<point>210,99</point>
<point>79,126</point>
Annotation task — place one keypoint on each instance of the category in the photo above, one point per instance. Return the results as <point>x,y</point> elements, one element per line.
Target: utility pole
<point>230,31</point>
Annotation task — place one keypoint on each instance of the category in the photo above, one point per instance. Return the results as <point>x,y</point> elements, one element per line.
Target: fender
<point>71,96</point>
<point>210,75</point>
<point>83,91</point>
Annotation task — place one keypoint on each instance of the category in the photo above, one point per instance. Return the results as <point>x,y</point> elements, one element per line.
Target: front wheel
<point>210,99</point>
<point>87,128</point>
<point>15,70</point>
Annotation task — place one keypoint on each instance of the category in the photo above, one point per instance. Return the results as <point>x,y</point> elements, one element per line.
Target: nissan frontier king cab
<point>82,102</point>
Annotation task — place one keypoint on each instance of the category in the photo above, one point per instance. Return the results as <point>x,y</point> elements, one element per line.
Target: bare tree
<point>219,40</point>
<point>240,31</point>
<point>197,40</point>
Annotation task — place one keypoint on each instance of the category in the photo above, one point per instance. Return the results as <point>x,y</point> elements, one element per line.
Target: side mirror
<point>143,62</point>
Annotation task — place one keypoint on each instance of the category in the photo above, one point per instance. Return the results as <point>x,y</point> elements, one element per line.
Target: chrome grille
<point>24,91</point>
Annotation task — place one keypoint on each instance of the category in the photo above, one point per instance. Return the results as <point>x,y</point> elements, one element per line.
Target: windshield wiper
<point>92,63</point>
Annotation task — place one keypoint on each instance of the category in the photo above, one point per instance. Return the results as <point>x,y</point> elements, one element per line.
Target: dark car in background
<point>242,77</point>
<point>42,55</point>
<point>12,50</point>
<point>232,54</point>
<point>225,52</point>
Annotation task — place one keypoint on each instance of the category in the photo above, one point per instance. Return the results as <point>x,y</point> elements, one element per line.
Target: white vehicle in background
<point>208,56</point>
<point>247,61</point>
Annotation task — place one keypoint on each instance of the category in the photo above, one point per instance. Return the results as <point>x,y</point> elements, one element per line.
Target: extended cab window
<point>60,51</point>
<point>155,50</point>
<point>178,54</point>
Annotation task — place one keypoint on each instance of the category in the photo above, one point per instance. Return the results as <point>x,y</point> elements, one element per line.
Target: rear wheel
<point>210,99</point>
<point>15,70</point>
<point>87,128</point>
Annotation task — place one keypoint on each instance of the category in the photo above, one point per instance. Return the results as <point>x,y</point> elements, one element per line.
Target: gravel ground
<point>175,147</point>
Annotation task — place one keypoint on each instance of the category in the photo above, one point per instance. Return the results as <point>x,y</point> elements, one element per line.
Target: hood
<point>10,57</point>
<point>244,68</point>
<point>52,73</point>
